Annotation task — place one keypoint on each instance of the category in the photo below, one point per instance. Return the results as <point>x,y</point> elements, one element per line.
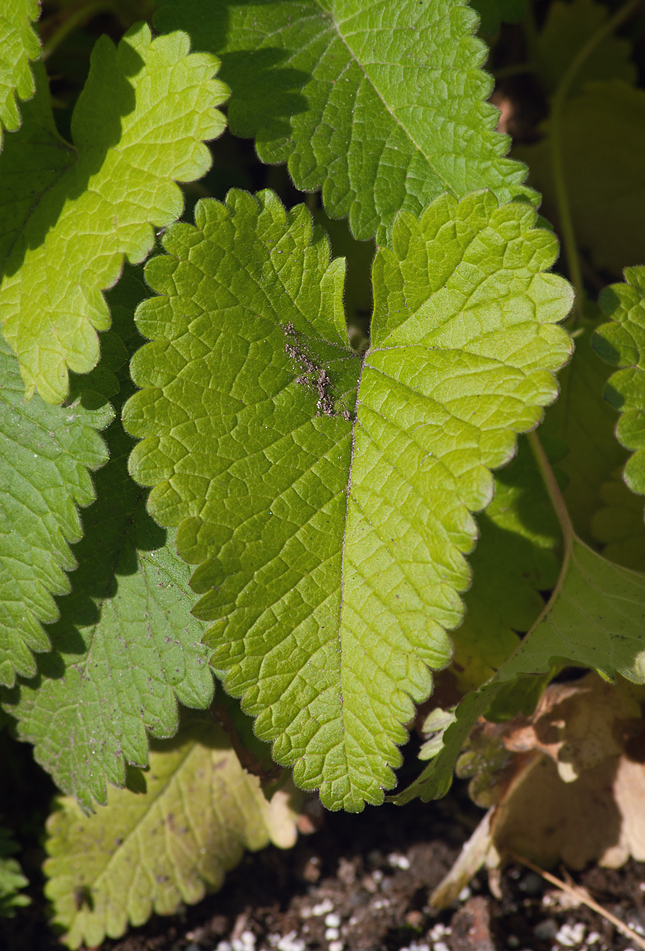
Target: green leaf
<point>125,648</point>
<point>618,524</point>
<point>11,877</point>
<point>622,343</point>
<point>493,12</point>
<point>603,142</point>
<point>154,850</point>
<point>514,561</point>
<point>567,29</point>
<point>583,423</point>
<point>137,129</point>
<point>45,455</point>
<point>18,45</point>
<point>380,105</point>
<point>596,620</point>
<point>326,495</point>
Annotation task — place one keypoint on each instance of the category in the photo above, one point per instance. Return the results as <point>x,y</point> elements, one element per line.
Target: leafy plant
<point>318,416</point>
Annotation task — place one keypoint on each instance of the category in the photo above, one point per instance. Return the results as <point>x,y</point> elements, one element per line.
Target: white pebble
<point>336,946</point>
<point>291,943</point>
<point>223,946</point>
<point>465,893</point>
<point>248,939</point>
<point>331,934</point>
<point>377,875</point>
<point>438,931</point>
<point>441,946</point>
<point>332,921</point>
<point>593,937</point>
<point>322,907</point>
<point>571,935</point>
<point>398,861</point>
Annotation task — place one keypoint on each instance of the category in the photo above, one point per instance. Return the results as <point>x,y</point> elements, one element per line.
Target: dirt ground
<point>361,883</point>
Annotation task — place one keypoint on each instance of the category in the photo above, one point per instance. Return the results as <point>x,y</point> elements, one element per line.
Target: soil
<point>361,883</point>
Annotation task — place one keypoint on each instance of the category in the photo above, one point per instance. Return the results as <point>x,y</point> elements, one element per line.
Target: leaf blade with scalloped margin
<point>138,128</point>
<point>46,454</point>
<point>152,851</point>
<point>596,621</point>
<point>379,104</point>
<point>125,648</point>
<point>621,343</point>
<point>289,514</point>
<point>18,45</point>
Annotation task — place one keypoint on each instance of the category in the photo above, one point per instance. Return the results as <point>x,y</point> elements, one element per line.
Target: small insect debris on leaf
<point>312,375</point>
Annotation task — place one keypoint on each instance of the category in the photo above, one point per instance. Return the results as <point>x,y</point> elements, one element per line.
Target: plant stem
<point>77,18</point>
<point>556,145</point>
<point>555,494</point>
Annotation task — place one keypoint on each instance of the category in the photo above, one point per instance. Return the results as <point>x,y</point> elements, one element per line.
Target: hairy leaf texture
<point>18,45</point>
<point>380,105</point>
<point>155,849</point>
<point>324,494</point>
<point>603,142</point>
<point>137,130</point>
<point>595,621</point>
<point>45,454</point>
<point>622,344</point>
<point>125,647</point>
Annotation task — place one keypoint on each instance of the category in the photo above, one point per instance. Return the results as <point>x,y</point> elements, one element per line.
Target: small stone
<point>336,946</point>
<point>332,920</point>
<point>546,930</point>
<point>414,919</point>
<point>322,907</point>
<point>331,934</point>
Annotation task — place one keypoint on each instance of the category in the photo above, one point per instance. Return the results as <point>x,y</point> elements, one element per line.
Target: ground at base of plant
<point>361,883</point>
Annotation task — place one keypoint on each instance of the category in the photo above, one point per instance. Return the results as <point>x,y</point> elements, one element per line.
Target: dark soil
<point>362,882</point>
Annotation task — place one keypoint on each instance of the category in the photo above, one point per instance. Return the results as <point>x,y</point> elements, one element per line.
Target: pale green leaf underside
<point>18,45</point>
<point>622,343</point>
<point>12,879</point>
<point>152,851</point>
<point>125,647</point>
<point>138,129</point>
<point>380,104</point>
<point>45,455</point>
<point>597,621</point>
<point>329,525</point>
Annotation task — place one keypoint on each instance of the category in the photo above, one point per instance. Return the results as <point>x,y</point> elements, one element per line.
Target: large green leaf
<point>379,104</point>
<point>622,343</point>
<point>595,619</point>
<point>18,45</point>
<point>137,129</point>
<point>45,455</point>
<point>153,850</point>
<point>125,647</point>
<point>326,495</point>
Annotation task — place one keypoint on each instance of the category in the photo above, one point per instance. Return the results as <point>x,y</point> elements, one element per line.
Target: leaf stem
<point>77,18</point>
<point>556,145</point>
<point>554,492</point>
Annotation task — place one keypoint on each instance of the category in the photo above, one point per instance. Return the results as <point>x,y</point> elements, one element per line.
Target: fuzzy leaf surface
<point>125,647</point>
<point>603,143</point>
<point>137,128</point>
<point>596,621</point>
<point>46,454</point>
<point>380,105</point>
<point>326,495</point>
<point>150,851</point>
<point>622,344</point>
<point>18,45</point>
